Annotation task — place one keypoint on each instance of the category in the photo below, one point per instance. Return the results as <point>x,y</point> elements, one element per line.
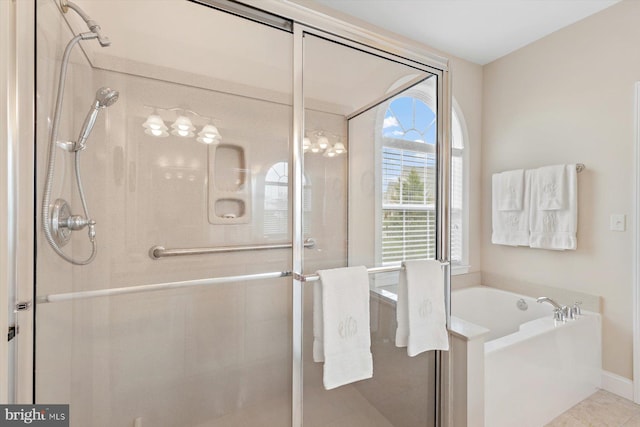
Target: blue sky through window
<point>407,119</point>
<point>410,119</point>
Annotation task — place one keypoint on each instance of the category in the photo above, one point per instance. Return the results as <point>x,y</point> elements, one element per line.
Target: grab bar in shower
<point>69,296</point>
<point>157,252</point>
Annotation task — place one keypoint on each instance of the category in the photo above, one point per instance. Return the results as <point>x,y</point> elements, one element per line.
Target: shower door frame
<point>17,152</point>
<point>19,95</point>
<point>358,38</point>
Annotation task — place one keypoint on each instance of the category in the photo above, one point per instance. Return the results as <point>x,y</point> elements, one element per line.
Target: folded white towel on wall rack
<point>510,190</point>
<point>341,325</point>
<point>551,187</point>
<point>510,226</point>
<point>554,211</point>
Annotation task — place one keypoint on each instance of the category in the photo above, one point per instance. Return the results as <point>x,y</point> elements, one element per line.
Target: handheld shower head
<point>105,97</point>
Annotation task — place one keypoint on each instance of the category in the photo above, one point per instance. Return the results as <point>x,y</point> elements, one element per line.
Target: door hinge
<point>13,331</point>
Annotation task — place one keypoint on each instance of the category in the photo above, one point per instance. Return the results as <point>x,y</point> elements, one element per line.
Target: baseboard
<point>616,384</point>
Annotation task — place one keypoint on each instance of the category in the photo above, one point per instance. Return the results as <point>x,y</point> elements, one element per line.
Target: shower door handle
<point>23,306</point>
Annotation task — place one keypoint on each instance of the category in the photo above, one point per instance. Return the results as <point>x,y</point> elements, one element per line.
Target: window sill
<point>459,269</point>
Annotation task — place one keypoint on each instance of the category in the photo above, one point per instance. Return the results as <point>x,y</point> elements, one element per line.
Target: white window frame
<point>462,266</point>
<point>459,267</point>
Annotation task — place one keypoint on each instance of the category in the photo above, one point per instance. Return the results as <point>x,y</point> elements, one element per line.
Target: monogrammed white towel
<point>510,227</point>
<point>420,310</point>
<point>343,338</point>
<point>555,227</point>
<point>510,190</point>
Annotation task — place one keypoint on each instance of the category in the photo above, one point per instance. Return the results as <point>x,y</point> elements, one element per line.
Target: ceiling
<point>479,31</point>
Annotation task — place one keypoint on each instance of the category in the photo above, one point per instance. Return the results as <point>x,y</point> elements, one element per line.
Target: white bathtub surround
<point>341,324</point>
<point>510,226</point>
<point>421,315</point>
<point>554,207</point>
<point>568,296</point>
<point>534,368</point>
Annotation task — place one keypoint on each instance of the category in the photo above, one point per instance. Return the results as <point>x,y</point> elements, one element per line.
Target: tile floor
<point>602,409</point>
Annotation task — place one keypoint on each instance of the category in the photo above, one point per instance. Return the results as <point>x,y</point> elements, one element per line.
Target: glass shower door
<point>193,155</point>
<point>371,128</point>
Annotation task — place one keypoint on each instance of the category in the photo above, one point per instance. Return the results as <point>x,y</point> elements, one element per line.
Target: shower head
<point>105,97</point>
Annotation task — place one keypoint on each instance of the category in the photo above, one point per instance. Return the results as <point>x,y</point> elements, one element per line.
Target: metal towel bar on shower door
<point>69,296</point>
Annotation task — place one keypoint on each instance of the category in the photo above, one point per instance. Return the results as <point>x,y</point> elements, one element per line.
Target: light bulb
<point>154,121</point>
<point>210,131</point>
<point>330,153</point>
<point>323,142</point>
<point>205,140</point>
<point>161,133</point>
<point>183,124</point>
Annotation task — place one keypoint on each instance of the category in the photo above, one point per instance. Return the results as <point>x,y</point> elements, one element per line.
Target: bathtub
<point>530,368</point>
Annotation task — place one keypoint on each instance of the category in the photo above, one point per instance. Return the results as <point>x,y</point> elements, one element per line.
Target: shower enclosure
<point>248,149</point>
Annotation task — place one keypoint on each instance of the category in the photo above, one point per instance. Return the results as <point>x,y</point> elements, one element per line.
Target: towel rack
<point>374,270</point>
<point>157,252</point>
<point>68,296</point>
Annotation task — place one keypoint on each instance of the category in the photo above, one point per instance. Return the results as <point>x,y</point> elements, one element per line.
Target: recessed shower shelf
<point>229,185</point>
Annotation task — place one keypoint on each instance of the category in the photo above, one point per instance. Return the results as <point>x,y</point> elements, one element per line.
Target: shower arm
<point>93,26</point>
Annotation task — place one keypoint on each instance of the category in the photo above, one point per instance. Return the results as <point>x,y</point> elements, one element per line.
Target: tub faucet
<point>560,312</point>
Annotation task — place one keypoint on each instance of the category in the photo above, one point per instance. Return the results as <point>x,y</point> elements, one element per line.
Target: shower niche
<point>229,184</point>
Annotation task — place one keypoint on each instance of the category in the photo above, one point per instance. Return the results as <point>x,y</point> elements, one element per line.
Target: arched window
<point>408,181</point>
<point>409,131</point>
<point>459,193</point>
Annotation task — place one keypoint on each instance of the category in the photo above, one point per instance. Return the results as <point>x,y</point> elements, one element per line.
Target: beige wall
<point>569,98</point>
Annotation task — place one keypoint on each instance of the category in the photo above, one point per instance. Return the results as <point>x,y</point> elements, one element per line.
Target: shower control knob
<point>77,222</point>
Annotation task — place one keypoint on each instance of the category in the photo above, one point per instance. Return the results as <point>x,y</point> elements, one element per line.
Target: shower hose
<point>46,199</point>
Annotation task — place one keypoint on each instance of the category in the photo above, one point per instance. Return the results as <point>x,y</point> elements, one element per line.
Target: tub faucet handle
<point>560,314</point>
<point>576,310</point>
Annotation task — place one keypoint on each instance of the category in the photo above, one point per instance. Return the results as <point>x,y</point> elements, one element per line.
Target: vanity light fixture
<point>338,147</point>
<point>323,142</point>
<point>182,126</point>
<point>323,145</point>
<point>330,152</point>
<point>209,135</point>
<point>315,148</point>
<point>154,126</point>
<point>306,144</point>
